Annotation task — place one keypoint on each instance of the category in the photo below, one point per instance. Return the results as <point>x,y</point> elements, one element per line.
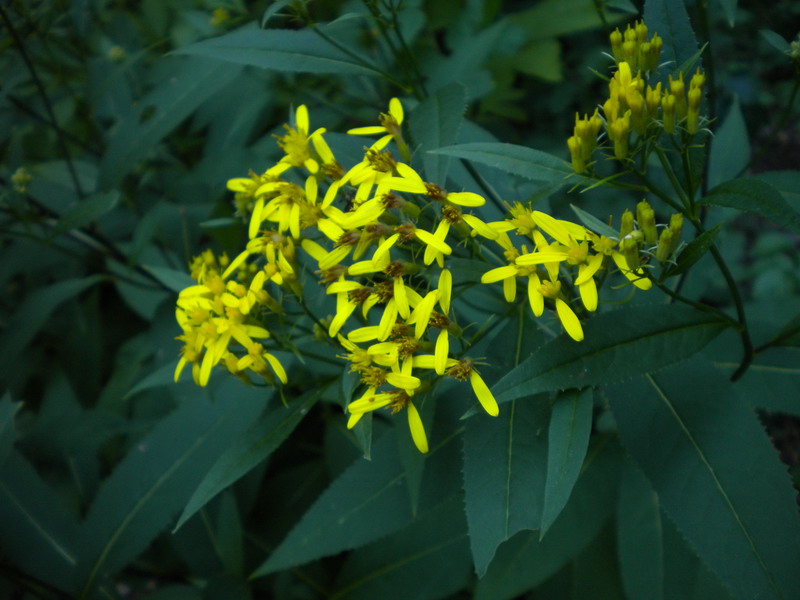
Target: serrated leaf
<point>86,211</point>
<point>730,147</point>
<point>525,561</point>
<point>716,474</point>
<point>177,97</point>
<point>7,434</point>
<point>787,183</point>
<point>640,544</point>
<point>35,311</point>
<point>366,502</point>
<point>593,223</point>
<point>619,344</point>
<point>428,559</point>
<point>755,196</point>
<point>542,59</point>
<point>517,160</point>
<point>772,382</point>
<point>695,250</point>
<point>504,476</point>
<point>296,51</point>
<point>670,21</point>
<point>37,535</point>
<point>249,451</point>
<point>776,40</point>
<point>567,442</point>
<point>435,124</point>
<point>155,479</point>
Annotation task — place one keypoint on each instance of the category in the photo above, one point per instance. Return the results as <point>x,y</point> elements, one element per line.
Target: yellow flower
<point>295,142</point>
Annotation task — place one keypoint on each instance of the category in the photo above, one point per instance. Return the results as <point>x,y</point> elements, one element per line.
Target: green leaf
<point>716,474</point>
<point>567,442</point>
<point>729,8</point>
<point>619,344</point>
<point>229,536</point>
<point>248,451</point>
<point>525,561</point>
<point>591,222</point>
<point>155,480</point>
<point>787,183</point>
<point>755,196</point>
<point>640,544</point>
<point>517,160</point>
<point>504,476</point>
<point>428,559</point>
<point>542,59</point>
<point>435,124</point>
<point>670,20</point>
<point>776,41</point>
<point>295,51</point>
<point>366,502</point>
<point>694,251</point>
<point>178,96</point>
<point>272,11</point>
<point>7,433</point>
<point>174,279</point>
<point>36,533</point>
<point>175,592</point>
<point>730,147</point>
<point>772,382</point>
<point>554,18</point>
<point>35,312</point>
<point>86,211</point>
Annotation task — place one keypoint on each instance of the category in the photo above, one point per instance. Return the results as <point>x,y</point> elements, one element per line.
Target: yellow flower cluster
<point>215,314</point>
<point>378,236</point>
<point>633,105</point>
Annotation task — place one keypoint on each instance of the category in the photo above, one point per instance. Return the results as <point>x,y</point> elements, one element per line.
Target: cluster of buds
<point>639,237</point>
<point>633,106</point>
<point>634,48</point>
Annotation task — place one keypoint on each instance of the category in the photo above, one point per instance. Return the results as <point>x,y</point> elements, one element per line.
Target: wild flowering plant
<point>377,237</point>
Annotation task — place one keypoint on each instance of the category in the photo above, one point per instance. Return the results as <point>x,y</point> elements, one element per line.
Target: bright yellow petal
<point>535,297</point>
<point>396,110</point>
<point>371,130</point>
<point>588,291</point>
<point>499,273</point>
<point>301,119</point>
<point>483,394</point>
<point>441,352</point>
<point>569,320</point>
<point>445,289</point>
<point>403,382</point>
<point>416,428</point>
<point>466,199</point>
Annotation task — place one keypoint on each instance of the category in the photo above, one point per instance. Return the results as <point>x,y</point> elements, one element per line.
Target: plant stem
<point>46,99</point>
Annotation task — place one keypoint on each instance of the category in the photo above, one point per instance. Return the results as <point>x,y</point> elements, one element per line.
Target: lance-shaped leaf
<point>435,124</point>
<point>755,196</point>
<point>671,22</point>
<point>298,51</point>
<point>716,474</point>
<point>428,559</point>
<point>249,451</point>
<point>504,476</point>
<point>525,561</point>
<point>366,502</point>
<point>37,535</point>
<point>567,441</point>
<point>194,81</point>
<point>155,480</point>
<point>619,344</point>
<point>640,544</point>
<point>33,314</point>
<point>517,160</point>
<point>730,147</point>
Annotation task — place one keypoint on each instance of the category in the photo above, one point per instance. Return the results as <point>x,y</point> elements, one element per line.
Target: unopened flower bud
<point>678,90</point>
<point>648,60</point>
<point>576,153</point>
<point>630,250</point>
<point>676,226</point>
<point>21,178</point>
<point>664,250</point>
<point>647,222</point>
<point>616,44</point>
<point>693,112</point>
<point>668,113</point>
<point>626,224</point>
